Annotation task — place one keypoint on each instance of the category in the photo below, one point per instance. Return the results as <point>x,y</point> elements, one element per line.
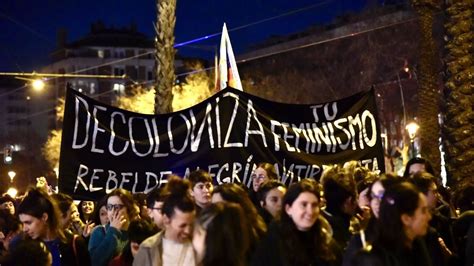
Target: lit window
<point>119,88</point>
<point>100,53</point>
<point>92,88</point>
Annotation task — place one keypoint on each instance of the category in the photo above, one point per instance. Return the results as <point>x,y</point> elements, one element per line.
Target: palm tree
<point>429,96</point>
<point>165,52</point>
<point>459,117</point>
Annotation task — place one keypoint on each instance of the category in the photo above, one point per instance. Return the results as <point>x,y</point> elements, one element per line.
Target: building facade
<point>104,51</point>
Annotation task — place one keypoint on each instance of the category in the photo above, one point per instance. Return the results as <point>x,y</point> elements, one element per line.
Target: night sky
<point>28,28</point>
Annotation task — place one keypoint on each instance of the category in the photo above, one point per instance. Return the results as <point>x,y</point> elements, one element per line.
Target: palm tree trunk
<point>458,130</point>
<point>165,52</point>
<point>429,96</point>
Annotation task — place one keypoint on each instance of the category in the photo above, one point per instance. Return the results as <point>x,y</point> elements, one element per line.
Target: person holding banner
<point>107,241</point>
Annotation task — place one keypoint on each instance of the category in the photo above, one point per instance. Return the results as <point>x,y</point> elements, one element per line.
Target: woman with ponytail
<point>402,222</point>
<point>40,216</point>
<point>172,246</point>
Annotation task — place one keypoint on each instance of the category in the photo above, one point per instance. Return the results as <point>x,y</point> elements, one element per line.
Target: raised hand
<point>118,220</point>
<point>88,229</point>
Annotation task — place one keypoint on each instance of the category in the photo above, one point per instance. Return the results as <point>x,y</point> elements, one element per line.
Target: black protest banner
<point>104,147</point>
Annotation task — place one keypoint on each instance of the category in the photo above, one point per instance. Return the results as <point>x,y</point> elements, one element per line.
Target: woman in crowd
<point>86,211</point>
<point>262,173</point>
<point>403,221</point>
<point>29,252</point>
<point>270,196</point>
<point>107,241</point>
<point>416,165</point>
<point>220,237</point>
<point>7,203</point>
<point>70,221</point>
<point>201,189</point>
<point>439,238</point>
<point>41,221</point>
<point>234,193</point>
<point>367,234</point>
<point>10,229</point>
<point>299,237</point>
<point>100,216</point>
<point>172,246</point>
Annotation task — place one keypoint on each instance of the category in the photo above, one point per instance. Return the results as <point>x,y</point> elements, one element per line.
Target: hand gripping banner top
<point>104,147</point>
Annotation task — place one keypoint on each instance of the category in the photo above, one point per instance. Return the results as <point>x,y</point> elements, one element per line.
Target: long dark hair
<point>82,215</point>
<point>426,163</point>
<point>27,252</point>
<point>231,192</point>
<point>36,203</point>
<point>398,199</point>
<point>227,241</point>
<point>96,214</point>
<point>321,241</point>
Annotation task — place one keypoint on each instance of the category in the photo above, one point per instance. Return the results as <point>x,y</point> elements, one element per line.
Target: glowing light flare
<point>12,175</point>
<point>412,128</point>
<point>38,84</point>
<point>12,192</point>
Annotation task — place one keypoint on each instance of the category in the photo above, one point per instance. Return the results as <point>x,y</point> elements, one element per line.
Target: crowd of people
<point>351,216</point>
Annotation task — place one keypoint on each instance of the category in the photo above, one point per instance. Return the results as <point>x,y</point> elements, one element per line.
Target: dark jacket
<point>355,244</point>
<point>74,251</point>
<point>340,223</point>
<point>254,197</point>
<point>381,255</point>
<point>267,216</point>
<point>273,249</point>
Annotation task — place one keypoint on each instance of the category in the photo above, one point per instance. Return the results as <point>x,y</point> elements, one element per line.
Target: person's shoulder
<point>99,229</point>
<point>152,240</point>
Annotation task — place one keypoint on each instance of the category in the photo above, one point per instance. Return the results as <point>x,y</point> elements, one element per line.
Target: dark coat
<point>340,223</point>
<point>380,255</point>
<point>355,244</point>
<point>273,250</point>
<point>74,251</point>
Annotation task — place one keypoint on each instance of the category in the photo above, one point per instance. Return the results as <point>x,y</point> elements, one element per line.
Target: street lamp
<point>12,192</point>
<point>412,128</point>
<point>38,84</point>
<point>12,175</point>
